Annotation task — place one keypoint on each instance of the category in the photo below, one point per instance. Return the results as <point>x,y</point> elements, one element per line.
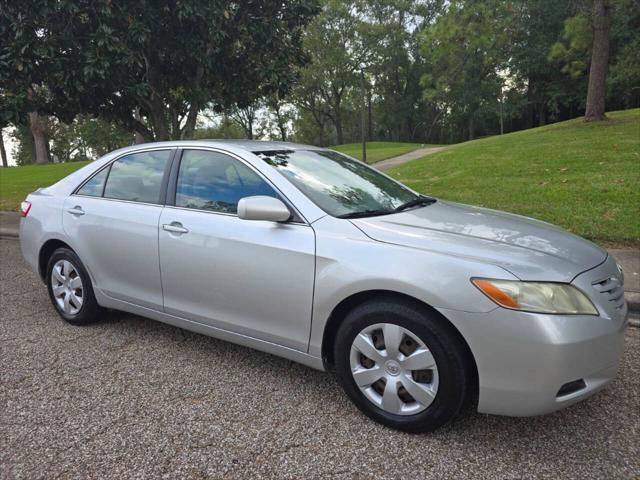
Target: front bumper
<point>524,359</point>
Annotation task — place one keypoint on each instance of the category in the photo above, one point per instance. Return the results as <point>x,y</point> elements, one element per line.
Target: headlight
<point>536,296</point>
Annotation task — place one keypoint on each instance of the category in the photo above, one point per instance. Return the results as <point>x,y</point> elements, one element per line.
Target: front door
<point>249,277</point>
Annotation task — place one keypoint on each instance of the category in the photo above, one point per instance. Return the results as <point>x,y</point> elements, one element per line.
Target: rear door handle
<point>77,210</point>
<point>174,227</point>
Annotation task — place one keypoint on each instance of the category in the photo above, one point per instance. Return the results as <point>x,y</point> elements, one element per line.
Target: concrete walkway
<point>407,157</point>
<point>629,258</point>
<point>9,224</point>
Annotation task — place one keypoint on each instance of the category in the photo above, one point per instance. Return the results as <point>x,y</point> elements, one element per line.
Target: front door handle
<point>77,210</point>
<point>174,227</point>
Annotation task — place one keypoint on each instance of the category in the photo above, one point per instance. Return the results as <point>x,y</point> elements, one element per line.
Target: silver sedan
<point>423,307</point>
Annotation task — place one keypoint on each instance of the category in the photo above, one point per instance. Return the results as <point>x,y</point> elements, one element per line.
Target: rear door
<point>249,277</point>
<point>113,221</point>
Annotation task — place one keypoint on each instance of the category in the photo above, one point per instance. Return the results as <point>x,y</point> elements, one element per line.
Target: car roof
<point>249,145</point>
<point>264,146</point>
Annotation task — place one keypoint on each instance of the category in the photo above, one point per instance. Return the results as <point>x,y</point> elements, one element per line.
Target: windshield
<point>340,186</point>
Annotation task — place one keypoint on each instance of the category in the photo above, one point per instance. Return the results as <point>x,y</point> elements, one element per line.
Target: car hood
<point>528,248</point>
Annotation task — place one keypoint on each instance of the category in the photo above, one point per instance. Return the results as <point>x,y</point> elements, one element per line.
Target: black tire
<point>90,311</point>
<point>454,371</point>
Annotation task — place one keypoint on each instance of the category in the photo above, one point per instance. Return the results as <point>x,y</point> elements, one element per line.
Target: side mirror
<point>262,207</point>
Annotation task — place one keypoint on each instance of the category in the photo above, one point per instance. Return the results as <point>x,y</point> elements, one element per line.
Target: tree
<point>24,150</point>
<point>573,51</point>
<point>623,77</point>
<point>3,152</point>
<point>338,53</point>
<point>601,24</point>
<point>167,60</point>
<point>38,129</point>
<point>86,138</point>
<point>392,35</point>
<point>313,115</point>
<point>464,49</point>
<point>279,116</point>
<point>245,117</point>
<point>533,30</point>
<point>220,127</point>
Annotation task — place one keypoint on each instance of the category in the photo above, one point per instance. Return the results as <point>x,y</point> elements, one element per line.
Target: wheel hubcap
<point>67,288</point>
<point>394,369</point>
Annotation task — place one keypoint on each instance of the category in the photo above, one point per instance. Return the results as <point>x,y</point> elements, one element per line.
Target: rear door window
<point>137,177</point>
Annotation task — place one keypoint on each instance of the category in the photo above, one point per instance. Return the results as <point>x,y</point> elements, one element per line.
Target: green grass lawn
<point>377,151</point>
<point>583,177</point>
<point>17,182</point>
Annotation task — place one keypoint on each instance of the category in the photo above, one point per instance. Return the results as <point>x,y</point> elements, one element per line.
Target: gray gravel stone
<point>133,398</point>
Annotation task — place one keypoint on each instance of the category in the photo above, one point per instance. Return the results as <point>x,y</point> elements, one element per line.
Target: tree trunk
<point>433,124</point>
<point>472,128</point>
<point>3,152</point>
<point>190,125</point>
<point>601,24</point>
<point>38,130</point>
<point>530,103</point>
<point>542,115</point>
<point>363,119</point>
<point>138,136</point>
<point>159,120</point>
<point>225,125</point>
<point>175,123</point>
<point>395,133</point>
<point>370,113</point>
<point>338,123</point>
<point>282,126</point>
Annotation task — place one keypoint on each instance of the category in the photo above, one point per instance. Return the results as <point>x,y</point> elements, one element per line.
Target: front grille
<point>613,289</point>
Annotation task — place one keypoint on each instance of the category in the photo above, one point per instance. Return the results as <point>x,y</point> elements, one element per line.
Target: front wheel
<point>70,288</point>
<point>401,365</point>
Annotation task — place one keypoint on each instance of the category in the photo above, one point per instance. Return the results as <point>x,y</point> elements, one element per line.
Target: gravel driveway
<point>133,398</point>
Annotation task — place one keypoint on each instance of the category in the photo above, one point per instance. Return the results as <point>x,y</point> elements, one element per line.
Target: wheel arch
<point>340,311</point>
<point>45,253</point>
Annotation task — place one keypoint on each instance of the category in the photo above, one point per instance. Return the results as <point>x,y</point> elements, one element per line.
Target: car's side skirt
<point>244,340</point>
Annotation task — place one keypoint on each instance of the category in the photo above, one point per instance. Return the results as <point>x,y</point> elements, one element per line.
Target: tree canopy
<point>165,60</point>
<point>316,71</point>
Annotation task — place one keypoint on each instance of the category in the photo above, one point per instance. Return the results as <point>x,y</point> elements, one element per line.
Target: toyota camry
<point>423,307</point>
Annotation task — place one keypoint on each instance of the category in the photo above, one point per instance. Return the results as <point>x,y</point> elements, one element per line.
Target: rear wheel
<point>401,365</point>
<point>70,288</point>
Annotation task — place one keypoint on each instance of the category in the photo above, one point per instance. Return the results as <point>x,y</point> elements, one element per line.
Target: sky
<point>9,145</point>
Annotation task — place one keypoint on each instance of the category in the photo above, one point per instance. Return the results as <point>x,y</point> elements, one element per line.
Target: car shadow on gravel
<point>591,417</point>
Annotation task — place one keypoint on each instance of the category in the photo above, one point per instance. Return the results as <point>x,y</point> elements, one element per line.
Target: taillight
<point>24,208</point>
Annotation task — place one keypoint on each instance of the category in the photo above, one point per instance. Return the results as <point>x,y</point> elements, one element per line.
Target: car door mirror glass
<point>261,207</point>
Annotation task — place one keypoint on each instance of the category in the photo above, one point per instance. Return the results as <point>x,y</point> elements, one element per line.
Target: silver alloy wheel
<point>394,369</point>
<point>66,286</point>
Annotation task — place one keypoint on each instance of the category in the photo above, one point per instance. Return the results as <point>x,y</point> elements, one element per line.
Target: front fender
<point>348,263</point>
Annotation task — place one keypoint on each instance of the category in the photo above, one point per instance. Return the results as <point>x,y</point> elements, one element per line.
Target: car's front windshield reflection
<point>337,184</point>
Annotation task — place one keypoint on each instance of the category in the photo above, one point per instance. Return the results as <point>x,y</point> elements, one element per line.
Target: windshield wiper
<point>365,213</point>
<point>421,200</point>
